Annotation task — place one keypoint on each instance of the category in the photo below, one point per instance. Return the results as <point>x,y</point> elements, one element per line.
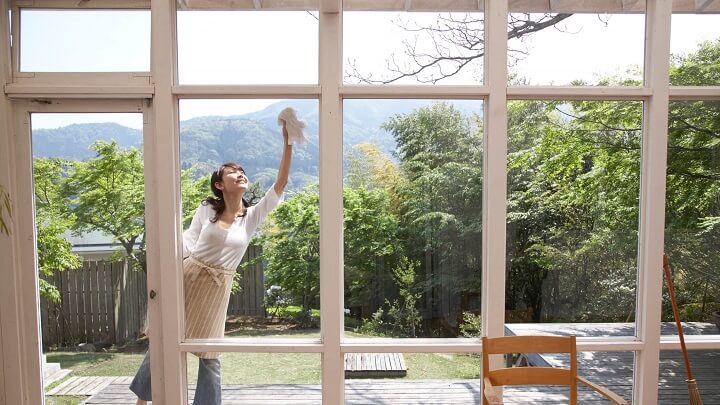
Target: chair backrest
<point>531,375</point>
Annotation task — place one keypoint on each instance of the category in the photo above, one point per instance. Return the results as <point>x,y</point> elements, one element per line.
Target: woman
<point>213,247</point>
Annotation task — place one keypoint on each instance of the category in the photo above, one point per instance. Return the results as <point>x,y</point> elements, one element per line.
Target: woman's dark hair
<point>217,202</point>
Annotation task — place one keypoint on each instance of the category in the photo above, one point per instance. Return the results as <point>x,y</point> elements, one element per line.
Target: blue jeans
<point>207,392</point>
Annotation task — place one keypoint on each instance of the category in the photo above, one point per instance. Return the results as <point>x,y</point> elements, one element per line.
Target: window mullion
<point>162,214</point>
<point>21,312</point>
<point>494,169</point>
<point>331,203</point>
<point>652,200</point>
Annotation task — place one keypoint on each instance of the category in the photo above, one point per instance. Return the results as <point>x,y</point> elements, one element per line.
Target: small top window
<point>84,40</point>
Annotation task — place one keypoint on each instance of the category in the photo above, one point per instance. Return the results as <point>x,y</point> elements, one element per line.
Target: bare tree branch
<point>448,46</point>
<point>313,14</point>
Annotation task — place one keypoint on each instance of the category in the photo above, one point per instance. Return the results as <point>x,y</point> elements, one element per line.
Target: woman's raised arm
<point>284,170</point>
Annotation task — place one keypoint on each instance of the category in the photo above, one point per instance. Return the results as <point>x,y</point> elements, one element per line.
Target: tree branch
<point>453,42</point>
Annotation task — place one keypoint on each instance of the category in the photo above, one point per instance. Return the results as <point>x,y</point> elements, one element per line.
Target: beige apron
<point>207,294</point>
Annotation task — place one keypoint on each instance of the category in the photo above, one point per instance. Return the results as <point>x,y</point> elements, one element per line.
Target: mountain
<point>73,141</point>
<point>253,140</point>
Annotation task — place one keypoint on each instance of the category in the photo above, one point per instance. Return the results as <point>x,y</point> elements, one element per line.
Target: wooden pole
<point>692,384</point>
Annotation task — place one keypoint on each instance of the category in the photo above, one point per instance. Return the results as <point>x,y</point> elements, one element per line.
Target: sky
<point>214,47</point>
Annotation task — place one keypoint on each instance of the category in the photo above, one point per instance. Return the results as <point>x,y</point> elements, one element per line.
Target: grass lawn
<point>97,364</point>
<point>250,368</point>
<point>258,368</point>
<point>64,400</point>
<point>440,366</point>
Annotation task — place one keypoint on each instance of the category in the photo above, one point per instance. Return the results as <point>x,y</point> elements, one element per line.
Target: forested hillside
<point>253,139</point>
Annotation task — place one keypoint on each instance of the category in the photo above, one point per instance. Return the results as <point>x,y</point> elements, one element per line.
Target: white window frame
<point>73,84</point>
<point>88,92</point>
<point>20,289</point>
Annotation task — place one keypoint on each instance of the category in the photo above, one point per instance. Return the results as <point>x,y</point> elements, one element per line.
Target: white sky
<point>215,48</point>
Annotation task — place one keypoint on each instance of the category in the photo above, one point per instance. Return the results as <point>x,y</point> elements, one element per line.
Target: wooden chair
<point>534,375</point>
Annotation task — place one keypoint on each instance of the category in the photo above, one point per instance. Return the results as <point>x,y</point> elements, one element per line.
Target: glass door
<point>82,201</point>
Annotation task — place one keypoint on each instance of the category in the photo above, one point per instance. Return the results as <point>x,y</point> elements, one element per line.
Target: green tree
<point>403,312</point>
<point>290,240</point>
<point>107,193</point>
<point>193,192</point>
<point>371,246</point>
<point>526,216</point>
<point>692,231</point>
<point>368,167</point>
<point>52,221</point>
<point>440,201</point>
<point>573,183</point>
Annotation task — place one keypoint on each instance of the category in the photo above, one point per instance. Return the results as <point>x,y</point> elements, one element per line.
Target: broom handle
<point>676,313</point>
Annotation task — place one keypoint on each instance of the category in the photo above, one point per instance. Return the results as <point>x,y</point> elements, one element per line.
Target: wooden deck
<point>615,369</point>
<point>610,369</point>
<point>364,392</point>
<point>87,386</point>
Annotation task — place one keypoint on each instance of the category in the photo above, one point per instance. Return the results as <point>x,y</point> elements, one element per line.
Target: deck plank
<point>374,365</point>
<point>79,386</point>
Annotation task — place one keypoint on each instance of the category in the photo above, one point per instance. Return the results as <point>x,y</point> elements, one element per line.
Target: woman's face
<point>233,181</point>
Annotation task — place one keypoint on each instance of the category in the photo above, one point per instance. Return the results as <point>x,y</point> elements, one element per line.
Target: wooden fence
<point>107,302</point>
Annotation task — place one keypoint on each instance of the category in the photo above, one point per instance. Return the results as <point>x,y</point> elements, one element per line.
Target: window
<point>691,205</point>
<point>413,217</point>
<point>576,49</point>
<point>573,186</point>
<point>420,216</point>
<point>84,40</point>
<point>92,281</point>
<point>413,48</point>
<point>240,47</point>
<point>276,290</point>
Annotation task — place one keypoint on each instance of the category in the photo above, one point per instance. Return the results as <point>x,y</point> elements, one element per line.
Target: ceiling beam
<point>707,6</point>
<point>331,6</point>
<point>514,6</point>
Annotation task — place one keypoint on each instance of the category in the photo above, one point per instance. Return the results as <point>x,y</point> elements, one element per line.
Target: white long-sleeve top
<point>211,244</point>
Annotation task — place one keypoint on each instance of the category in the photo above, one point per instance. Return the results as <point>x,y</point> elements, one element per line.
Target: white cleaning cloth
<point>294,126</point>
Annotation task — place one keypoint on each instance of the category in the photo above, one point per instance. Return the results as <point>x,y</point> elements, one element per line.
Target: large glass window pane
<point>576,49</point>
<point>239,47</point>
<point>259,378</point>
<point>412,378</point>
<point>672,386</point>
<point>692,216</point>
<point>610,370</point>
<point>694,49</point>
<point>413,217</point>
<point>89,211</point>
<point>275,289</point>
<point>403,48</point>
<point>572,216</point>
<point>84,40</point>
